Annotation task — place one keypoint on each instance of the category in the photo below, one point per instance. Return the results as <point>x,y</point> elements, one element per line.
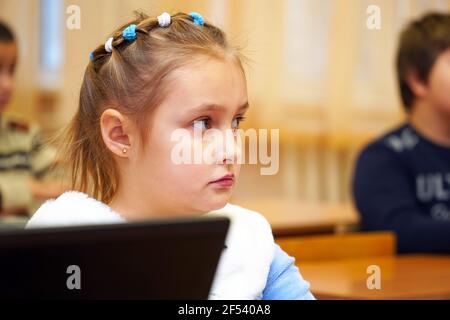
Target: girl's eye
<point>236,122</point>
<point>202,124</point>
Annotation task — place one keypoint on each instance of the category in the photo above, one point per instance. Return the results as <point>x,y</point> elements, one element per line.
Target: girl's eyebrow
<point>212,106</point>
<point>244,107</point>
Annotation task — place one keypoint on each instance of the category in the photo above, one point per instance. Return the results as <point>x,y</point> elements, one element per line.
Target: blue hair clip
<point>130,32</point>
<point>198,18</point>
<point>91,56</point>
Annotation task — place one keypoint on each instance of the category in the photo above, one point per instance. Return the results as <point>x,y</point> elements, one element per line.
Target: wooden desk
<point>402,277</point>
<point>288,217</point>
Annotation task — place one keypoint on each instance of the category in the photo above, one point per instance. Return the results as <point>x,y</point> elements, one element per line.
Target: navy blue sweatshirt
<point>402,184</point>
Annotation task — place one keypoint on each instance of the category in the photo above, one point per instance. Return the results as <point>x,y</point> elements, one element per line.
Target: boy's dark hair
<point>6,35</point>
<point>421,42</point>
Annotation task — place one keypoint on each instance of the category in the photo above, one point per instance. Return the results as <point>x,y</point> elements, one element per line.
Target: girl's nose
<point>231,150</point>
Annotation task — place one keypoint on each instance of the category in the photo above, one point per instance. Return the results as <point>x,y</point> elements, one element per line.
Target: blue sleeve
<point>284,281</point>
<point>385,197</point>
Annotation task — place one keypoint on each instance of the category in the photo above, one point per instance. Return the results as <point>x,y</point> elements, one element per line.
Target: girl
<point>152,77</point>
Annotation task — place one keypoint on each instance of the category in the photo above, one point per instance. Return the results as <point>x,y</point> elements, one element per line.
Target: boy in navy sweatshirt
<point>402,180</point>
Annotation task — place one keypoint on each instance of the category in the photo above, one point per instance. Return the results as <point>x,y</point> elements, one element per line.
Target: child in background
<point>402,180</point>
<point>152,77</point>
<point>25,164</point>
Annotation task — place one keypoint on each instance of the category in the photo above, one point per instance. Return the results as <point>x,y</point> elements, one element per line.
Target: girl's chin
<point>217,204</point>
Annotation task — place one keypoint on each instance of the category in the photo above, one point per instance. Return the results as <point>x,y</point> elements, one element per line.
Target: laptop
<point>165,259</point>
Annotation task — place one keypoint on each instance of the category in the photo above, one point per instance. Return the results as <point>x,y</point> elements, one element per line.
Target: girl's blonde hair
<point>133,79</point>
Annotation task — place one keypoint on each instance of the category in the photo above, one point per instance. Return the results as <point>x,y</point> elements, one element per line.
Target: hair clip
<point>164,20</point>
<point>91,56</point>
<point>198,18</point>
<point>129,33</point>
<point>108,45</point>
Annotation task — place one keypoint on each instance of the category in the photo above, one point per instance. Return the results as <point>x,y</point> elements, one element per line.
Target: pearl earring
<point>124,150</point>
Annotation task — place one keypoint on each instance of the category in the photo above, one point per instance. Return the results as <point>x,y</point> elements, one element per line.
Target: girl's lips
<point>225,181</point>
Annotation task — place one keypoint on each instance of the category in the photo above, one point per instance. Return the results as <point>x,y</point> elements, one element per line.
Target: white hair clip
<point>108,45</point>
<point>164,20</point>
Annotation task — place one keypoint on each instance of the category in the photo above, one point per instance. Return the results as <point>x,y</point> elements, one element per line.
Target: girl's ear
<point>115,132</point>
